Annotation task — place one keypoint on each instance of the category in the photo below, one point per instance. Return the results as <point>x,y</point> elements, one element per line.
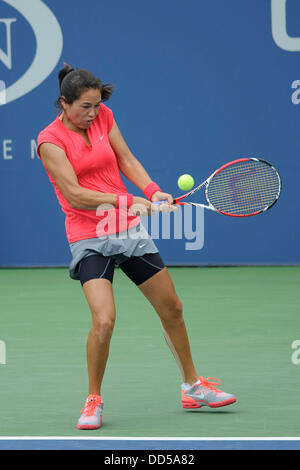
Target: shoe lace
<point>91,405</point>
<point>209,382</point>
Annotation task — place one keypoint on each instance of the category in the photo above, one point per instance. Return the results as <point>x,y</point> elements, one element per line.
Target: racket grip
<point>158,203</point>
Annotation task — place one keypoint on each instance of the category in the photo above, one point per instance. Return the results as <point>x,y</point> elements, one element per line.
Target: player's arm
<point>130,166</point>
<point>61,170</point>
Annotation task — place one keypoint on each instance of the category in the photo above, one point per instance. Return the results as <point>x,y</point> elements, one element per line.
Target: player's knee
<point>174,310</point>
<point>178,310</point>
<point>103,327</point>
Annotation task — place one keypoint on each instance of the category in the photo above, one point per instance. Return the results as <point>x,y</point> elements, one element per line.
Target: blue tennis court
<point>73,443</point>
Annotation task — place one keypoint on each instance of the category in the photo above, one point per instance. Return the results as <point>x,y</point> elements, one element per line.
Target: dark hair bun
<point>63,72</point>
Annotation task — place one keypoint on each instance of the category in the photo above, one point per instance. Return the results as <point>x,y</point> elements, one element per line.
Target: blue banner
<point>197,84</point>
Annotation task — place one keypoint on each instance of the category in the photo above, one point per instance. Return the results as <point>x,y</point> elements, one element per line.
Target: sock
<point>186,386</point>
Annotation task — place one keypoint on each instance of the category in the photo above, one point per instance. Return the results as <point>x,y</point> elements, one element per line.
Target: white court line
<point>113,438</point>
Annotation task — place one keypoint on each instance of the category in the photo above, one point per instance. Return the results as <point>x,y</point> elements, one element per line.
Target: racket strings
<point>244,188</point>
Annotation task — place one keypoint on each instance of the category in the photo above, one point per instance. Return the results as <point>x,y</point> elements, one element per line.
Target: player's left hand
<point>167,206</point>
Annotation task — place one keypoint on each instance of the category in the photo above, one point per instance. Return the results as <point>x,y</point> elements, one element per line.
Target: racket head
<point>243,187</point>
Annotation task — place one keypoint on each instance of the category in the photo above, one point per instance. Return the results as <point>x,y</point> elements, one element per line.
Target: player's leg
<point>195,391</point>
<point>153,279</point>
<point>151,276</point>
<point>160,291</point>
<point>99,295</point>
<point>96,274</point>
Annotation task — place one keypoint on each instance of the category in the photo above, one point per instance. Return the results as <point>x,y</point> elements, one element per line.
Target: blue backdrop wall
<point>198,83</point>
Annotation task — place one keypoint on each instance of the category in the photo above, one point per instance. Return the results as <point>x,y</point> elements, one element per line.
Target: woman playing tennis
<point>84,154</point>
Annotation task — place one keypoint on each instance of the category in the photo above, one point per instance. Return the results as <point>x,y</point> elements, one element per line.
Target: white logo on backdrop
<point>49,44</point>
<point>279,29</point>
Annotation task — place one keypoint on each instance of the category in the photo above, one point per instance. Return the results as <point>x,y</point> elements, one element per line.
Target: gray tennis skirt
<point>120,246</point>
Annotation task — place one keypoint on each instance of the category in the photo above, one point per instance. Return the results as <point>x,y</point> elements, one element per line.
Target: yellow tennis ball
<point>185,182</point>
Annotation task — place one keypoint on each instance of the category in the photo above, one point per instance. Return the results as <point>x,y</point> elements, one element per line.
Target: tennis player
<point>84,155</point>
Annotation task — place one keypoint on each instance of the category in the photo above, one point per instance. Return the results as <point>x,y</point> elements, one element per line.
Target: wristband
<point>150,189</point>
<point>124,201</point>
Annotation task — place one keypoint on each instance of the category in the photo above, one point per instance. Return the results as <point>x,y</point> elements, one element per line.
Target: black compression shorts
<point>138,268</point>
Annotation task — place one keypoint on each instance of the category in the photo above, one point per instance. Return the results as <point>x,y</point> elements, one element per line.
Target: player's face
<point>83,111</point>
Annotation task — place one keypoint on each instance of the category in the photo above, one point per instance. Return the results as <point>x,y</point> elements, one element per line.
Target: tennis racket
<point>241,188</point>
